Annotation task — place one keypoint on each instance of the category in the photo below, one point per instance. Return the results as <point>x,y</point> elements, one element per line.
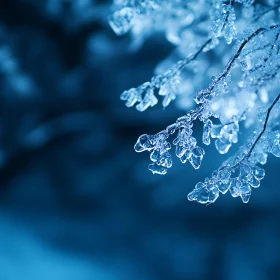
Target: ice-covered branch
<point>144,95</point>
<point>264,12</point>
<point>238,175</point>
<point>186,145</point>
<point>167,82</point>
<point>265,125</point>
<point>222,80</point>
<point>249,79</point>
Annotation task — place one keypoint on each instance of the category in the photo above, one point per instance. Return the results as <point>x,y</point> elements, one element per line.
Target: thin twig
<point>194,56</point>
<point>264,126</point>
<point>265,12</point>
<point>231,3</point>
<point>258,138</point>
<point>233,59</point>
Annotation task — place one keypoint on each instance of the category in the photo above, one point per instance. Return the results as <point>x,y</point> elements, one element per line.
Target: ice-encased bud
<point>149,99</point>
<point>143,94</point>
<point>186,156</point>
<point>215,131</point>
<point>196,157</point>
<point>167,90</point>
<point>165,160</point>
<point>254,182</point>
<point>156,169</point>
<point>224,174</point>
<point>204,193</point>
<point>245,197</point>
<point>155,155</point>
<point>202,96</point>
<point>222,147</point>
<point>180,151</point>
<point>261,157</point>
<point>235,187</point>
<point>245,192</point>
<point>245,172</point>
<point>131,97</point>
<point>276,150</point>
<point>224,187</point>
<point>144,143</point>
<point>258,172</point>
<point>206,132</point>
<point>171,128</point>
<point>191,143</point>
<point>122,21</point>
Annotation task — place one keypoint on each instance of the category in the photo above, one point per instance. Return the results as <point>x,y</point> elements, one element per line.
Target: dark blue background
<point>76,201</point>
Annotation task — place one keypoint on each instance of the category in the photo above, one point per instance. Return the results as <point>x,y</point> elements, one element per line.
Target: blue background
<point>76,201</point>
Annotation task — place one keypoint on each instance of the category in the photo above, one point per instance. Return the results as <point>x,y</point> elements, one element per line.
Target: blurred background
<point>76,201</point>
